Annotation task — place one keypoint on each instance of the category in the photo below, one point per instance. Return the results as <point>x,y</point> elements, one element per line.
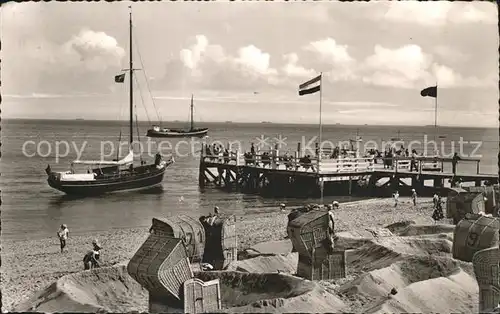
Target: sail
<point>125,161</point>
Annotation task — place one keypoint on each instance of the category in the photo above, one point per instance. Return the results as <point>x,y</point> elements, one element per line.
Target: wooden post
<point>437,183</point>
<point>350,185</point>
<point>276,152</point>
<point>201,168</point>
<point>477,166</point>
<point>321,186</point>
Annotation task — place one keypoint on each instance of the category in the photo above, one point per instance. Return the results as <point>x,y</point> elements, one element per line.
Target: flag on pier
<point>429,91</point>
<point>310,87</point>
<point>120,78</point>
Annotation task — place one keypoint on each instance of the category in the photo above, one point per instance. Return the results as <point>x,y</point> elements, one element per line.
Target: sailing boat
<point>112,176</point>
<point>397,139</point>
<point>156,131</point>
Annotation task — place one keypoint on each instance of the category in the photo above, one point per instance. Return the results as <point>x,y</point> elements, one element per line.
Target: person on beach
<point>332,237</point>
<point>216,210</point>
<point>335,205</point>
<point>414,197</point>
<point>396,198</point>
<point>91,259</point>
<point>435,199</point>
<point>63,235</point>
<point>437,215</point>
<point>282,207</point>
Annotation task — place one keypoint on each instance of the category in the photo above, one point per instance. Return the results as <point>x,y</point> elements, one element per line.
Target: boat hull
<point>178,133</point>
<point>122,183</point>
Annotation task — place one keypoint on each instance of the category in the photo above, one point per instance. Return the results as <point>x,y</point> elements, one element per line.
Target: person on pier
<point>454,162</point>
<point>413,162</point>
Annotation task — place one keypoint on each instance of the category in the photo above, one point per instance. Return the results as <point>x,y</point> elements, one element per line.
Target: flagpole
<point>320,101</point>
<point>320,127</point>
<point>435,112</point>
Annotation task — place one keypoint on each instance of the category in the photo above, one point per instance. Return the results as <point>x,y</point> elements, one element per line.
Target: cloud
<point>449,54</point>
<point>410,67</point>
<point>400,67</point>
<point>446,77</point>
<point>330,56</point>
<point>330,51</point>
<point>439,13</point>
<point>210,66</point>
<point>97,51</point>
<point>291,67</point>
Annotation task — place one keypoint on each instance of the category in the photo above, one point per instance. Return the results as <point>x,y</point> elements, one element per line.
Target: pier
<point>277,174</point>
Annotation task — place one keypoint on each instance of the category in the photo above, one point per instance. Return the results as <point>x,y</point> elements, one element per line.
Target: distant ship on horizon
<point>157,131</point>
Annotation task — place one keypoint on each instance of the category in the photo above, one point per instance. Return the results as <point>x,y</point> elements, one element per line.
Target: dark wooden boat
<point>112,176</point>
<point>157,131</point>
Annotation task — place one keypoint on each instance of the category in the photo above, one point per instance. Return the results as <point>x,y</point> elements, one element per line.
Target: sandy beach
<point>29,266</point>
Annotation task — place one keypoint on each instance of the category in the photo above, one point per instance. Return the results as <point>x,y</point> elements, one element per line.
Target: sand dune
<point>456,293</point>
<point>284,263</point>
<point>419,269</point>
<point>412,258</point>
<point>271,292</point>
<point>109,288</point>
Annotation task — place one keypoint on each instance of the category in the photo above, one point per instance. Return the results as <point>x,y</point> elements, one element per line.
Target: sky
<point>243,61</point>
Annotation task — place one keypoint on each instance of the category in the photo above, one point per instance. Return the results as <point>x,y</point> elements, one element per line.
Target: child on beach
<point>396,198</point>
<point>91,259</point>
<point>63,234</point>
<point>414,197</point>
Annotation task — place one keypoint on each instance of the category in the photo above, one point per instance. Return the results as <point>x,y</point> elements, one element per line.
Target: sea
<point>30,209</point>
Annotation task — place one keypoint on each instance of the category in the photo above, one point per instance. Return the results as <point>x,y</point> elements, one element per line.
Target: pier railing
<point>276,161</point>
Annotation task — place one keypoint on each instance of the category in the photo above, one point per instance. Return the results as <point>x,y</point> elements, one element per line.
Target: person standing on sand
<point>438,212</point>
<point>332,237</point>
<point>63,235</point>
<point>396,198</point>
<point>435,199</point>
<point>414,197</point>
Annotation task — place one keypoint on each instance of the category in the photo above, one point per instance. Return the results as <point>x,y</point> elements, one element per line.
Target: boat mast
<point>131,81</point>
<point>192,121</point>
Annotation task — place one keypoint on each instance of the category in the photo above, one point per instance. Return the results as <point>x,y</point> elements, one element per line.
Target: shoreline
<point>31,265</point>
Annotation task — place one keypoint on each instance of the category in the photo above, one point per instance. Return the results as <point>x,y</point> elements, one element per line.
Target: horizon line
<point>254,122</point>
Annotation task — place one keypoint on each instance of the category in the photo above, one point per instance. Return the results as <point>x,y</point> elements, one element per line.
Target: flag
<point>308,88</point>
<point>429,91</point>
<point>120,78</point>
